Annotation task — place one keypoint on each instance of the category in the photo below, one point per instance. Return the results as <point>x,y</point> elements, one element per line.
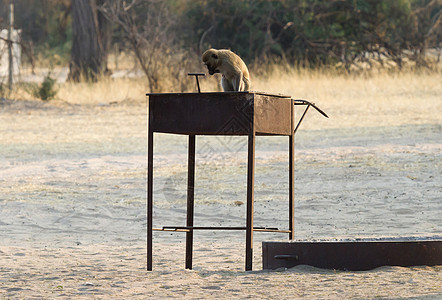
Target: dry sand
<point>73,192</point>
<point>103,271</point>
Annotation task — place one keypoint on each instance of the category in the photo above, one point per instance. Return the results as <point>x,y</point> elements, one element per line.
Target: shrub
<point>46,91</point>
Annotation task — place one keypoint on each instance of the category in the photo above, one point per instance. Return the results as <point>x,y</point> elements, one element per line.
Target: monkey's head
<point>211,60</point>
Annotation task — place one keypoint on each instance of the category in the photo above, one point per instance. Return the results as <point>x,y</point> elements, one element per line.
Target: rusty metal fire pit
<point>228,113</point>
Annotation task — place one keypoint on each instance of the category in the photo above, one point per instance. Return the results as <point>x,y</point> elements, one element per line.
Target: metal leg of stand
<point>149,197</point>
<point>190,200</point>
<point>292,175</point>
<point>250,198</point>
<point>292,187</point>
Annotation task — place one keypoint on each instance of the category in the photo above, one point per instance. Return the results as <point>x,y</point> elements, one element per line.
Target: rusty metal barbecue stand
<point>226,113</point>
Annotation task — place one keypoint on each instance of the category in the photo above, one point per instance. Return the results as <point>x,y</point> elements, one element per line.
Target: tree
<point>90,41</point>
<point>150,29</point>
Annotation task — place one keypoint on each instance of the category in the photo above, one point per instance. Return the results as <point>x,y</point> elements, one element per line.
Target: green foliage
<point>300,32</point>
<point>46,91</point>
<point>311,32</point>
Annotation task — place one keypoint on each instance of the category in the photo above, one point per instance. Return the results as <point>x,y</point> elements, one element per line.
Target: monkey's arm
<point>236,81</point>
<point>226,84</point>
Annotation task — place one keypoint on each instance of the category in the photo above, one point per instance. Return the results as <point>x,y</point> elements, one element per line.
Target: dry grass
<point>379,98</point>
<point>104,91</point>
<point>374,100</point>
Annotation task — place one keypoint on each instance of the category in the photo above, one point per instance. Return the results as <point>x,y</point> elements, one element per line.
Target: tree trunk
<point>90,42</point>
<point>105,35</point>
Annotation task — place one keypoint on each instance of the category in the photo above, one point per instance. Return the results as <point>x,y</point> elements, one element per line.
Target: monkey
<point>235,75</point>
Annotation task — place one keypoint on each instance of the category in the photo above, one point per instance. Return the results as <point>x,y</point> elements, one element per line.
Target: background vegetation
<point>166,38</point>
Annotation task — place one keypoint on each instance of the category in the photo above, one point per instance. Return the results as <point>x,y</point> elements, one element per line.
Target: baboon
<point>235,75</point>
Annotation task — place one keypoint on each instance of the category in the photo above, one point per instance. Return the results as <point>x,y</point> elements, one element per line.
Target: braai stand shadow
<point>228,113</point>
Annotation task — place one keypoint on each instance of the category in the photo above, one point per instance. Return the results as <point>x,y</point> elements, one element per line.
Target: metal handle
<point>196,77</point>
<point>305,102</point>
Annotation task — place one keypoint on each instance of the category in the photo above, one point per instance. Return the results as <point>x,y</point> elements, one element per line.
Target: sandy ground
<point>73,193</point>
